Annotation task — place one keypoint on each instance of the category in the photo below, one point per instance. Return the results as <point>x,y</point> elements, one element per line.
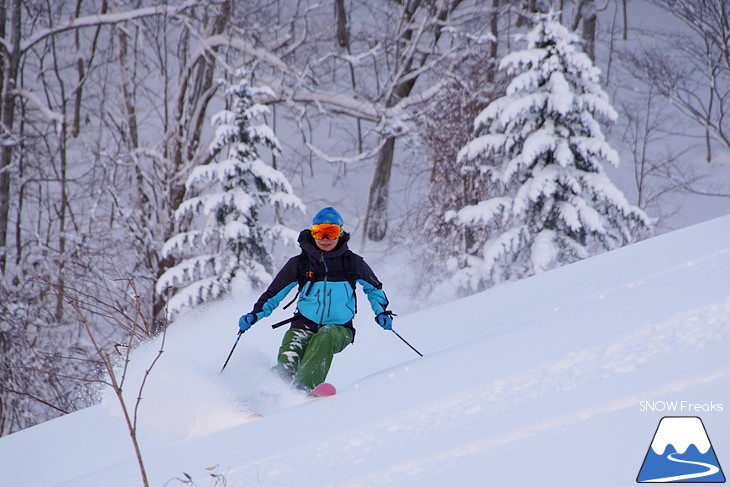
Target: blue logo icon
<point>680,452</point>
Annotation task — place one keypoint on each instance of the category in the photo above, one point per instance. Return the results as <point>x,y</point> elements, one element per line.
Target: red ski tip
<point>323,390</point>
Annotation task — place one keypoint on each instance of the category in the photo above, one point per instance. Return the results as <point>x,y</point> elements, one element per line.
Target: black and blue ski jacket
<point>327,293</point>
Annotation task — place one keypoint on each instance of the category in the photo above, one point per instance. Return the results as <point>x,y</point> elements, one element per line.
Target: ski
<point>325,389</point>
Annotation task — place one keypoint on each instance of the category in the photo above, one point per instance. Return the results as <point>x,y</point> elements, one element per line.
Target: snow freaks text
<point>681,407</point>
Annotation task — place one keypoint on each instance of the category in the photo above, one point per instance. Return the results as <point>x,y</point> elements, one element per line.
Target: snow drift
<point>535,381</point>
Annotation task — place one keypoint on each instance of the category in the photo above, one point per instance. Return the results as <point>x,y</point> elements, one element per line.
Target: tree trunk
<point>343,38</point>
<point>494,30</point>
<point>62,214</point>
<point>127,95</point>
<point>376,220</point>
<point>7,117</point>
<point>5,379</point>
<point>5,208</point>
<point>589,31</point>
<point>586,13</point>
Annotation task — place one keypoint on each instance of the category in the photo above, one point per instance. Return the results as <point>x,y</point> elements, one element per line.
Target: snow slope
<point>558,378</point>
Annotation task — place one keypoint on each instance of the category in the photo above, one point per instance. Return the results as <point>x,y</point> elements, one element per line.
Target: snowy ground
<point>546,380</point>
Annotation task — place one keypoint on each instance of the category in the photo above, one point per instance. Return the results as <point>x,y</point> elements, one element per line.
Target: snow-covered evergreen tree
<point>540,151</point>
<point>231,208</point>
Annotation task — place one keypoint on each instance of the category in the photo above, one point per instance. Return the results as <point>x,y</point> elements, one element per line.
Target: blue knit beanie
<point>327,215</point>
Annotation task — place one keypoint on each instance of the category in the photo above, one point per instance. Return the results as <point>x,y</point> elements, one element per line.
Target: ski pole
<point>404,341</point>
<point>234,347</point>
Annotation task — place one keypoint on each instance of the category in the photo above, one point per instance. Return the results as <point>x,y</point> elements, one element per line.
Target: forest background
<point>107,107</point>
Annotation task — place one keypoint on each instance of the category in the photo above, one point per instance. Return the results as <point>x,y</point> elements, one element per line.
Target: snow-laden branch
<point>371,112</point>
<point>344,104</point>
<point>245,47</point>
<point>354,59</point>
<point>103,19</point>
<point>336,102</point>
<point>55,117</point>
<point>356,158</point>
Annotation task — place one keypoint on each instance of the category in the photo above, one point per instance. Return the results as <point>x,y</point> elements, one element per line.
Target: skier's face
<point>326,244</point>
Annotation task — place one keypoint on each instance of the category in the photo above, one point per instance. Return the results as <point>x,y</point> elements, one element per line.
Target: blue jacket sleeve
<point>284,282</point>
<point>372,287</point>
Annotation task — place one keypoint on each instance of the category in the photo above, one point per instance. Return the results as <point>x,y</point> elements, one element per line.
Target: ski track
<point>694,329</point>
<point>453,458</point>
<point>349,446</point>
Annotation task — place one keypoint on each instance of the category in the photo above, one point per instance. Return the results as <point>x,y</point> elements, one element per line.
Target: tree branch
<point>102,19</point>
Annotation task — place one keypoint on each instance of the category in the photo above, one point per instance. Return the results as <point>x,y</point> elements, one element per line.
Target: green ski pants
<point>306,357</point>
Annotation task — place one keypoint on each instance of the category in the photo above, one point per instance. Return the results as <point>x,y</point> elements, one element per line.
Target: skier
<point>326,272</point>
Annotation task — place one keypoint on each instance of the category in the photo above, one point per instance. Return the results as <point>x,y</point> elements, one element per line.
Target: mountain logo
<point>680,452</point>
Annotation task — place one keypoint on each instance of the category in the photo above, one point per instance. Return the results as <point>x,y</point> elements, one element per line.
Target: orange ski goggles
<point>329,231</point>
